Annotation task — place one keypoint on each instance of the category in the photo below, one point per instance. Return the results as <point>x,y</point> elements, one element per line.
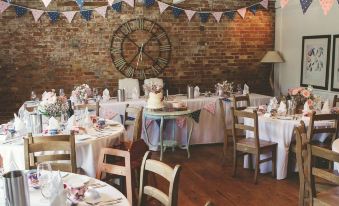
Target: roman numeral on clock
<point>120,63</point>
<point>127,27</point>
<point>160,36</point>
<point>115,50</point>
<point>151,28</point>
<point>165,47</point>
<point>141,24</point>
<point>162,61</point>
<point>129,71</point>
<point>156,69</point>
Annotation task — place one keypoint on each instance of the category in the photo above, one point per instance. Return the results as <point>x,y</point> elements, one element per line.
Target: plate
<point>112,122</point>
<point>252,108</point>
<point>285,117</point>
<point>76,181</point>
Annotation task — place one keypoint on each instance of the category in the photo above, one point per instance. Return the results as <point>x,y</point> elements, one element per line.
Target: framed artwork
<point>315,61</point>
<point>335,64</point>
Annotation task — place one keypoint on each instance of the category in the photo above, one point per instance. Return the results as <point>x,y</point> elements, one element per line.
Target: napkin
<point>282,108</point>
<point>326,108</point>
<point>105,95</point>
<point>196,91</point>
<point>246,89</point>
<point>135,93</point>
<point>19,125</point>
<point>58,197</point>
<point>272,105</point>
<point>53,124</point>
<point>87,122</point>
<point>71,122</point>
<point>306,109</point>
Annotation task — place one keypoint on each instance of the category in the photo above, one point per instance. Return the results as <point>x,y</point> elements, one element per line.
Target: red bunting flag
<point>326,5</point>
<point>3,6</point>
<point>264,3</point>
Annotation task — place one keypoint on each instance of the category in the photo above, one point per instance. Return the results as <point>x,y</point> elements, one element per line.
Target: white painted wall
<point>291,26</point>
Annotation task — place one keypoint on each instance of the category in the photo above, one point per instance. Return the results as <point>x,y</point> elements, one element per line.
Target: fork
<point>107,202</point>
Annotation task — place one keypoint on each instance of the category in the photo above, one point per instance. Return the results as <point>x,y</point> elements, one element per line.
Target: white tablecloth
<point>87,149</point>
<point>210,129</point>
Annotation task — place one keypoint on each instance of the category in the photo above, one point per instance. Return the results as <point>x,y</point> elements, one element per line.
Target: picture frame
<point>315,61</point>
<point>335,64</point>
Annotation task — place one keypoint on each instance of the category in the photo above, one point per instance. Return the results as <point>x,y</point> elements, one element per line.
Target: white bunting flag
<point>264,3</point>
<point>3,6</point>
<point>69,15</point>
<point>189,14</point>
<point>46,2</point>
<point>130,2</point>
<point>283,3</point>
<point>217,15</point>
<point>242,12</point>
<point>101,10</point>
<point>326,5</point>
<point>162,6</point>
<point>36,14</point>
<point>177,1</point>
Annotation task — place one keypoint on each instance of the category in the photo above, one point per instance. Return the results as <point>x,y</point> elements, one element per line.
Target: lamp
<point>272,57</point>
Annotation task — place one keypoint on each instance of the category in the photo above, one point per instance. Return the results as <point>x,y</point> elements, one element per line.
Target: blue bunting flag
<point>204,16</point>
<point>53,15</point>
<point>20,11</point>
<point>117,6</point>
<point>176,11</point>
<point>86,14</point>
<point>230,14</point>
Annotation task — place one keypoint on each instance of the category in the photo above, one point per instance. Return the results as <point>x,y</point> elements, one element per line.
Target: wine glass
<point>44,173</point>
<point>61,92</point>
<point>33,96</point>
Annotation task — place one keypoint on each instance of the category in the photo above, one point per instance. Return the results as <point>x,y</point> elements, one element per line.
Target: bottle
<point>70,111</point>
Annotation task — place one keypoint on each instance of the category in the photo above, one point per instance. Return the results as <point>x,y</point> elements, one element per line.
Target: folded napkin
<point>246,89</point>
<point>282,108</point>
<point>87,122</point>
<point>326,108</point>
<point>53,124</point>
<point>105,95</point>
<point>19,125</point>
<point>135,93</point>
<point>273,104</point>
<point>196,91</point>
<point>58,197</point>
<point>71,122</point>
<point>306,109</point>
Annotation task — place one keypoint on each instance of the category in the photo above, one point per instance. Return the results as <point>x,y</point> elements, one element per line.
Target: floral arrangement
<point>52,105</point>
<point>82,92</point>
<point>153,87</point>
<point>305,94</point>
<point>225,86</point>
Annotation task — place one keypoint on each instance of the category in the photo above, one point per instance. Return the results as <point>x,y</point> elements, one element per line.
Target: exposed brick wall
<point>43,55</point>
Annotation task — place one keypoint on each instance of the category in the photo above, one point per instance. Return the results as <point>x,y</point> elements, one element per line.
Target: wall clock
<point>140,48</point>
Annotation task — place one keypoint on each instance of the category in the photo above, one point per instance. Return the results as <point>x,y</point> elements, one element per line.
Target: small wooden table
<point>168,113</point>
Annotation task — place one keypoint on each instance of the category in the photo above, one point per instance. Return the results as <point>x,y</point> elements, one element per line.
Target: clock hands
<point>140,54</point>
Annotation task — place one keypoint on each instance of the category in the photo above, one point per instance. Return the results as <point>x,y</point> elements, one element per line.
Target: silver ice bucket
<point>121,95</point>
<point>35,120</point>
<point>190,92</point>
<point>16,188</point>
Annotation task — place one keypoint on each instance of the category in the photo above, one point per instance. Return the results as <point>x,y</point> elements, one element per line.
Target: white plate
<point>252,108</point>
<point>285,117</point>
<point>76,181</point>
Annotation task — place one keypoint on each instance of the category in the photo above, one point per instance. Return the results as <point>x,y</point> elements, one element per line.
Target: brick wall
<point>41,56</point>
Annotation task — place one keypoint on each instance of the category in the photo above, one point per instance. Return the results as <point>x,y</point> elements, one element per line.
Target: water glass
<point>44,173</point>
<point>33,96</point>
<point>61,92</point>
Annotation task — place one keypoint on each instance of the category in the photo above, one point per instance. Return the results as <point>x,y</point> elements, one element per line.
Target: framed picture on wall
<point>335,64</point>
<point>315,61</point>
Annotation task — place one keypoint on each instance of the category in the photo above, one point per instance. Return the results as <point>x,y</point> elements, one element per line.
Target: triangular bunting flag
<point>176,11</point>
<point>264,3</point>
<point>149,3</point>
<point>36,14</point>
<point>162,6</point>
<point>46,2</point>
<point>305,4</point>
<point>326,5</point>
<point>195,115</point>
<point>101,10</point>
<point>3,6</point>
<point>242,12</point>
<point>117,7</point>
<point>283,3</point>
<point>210,107</point>
<point>217,15</point>
<point>53,15</point>
<point>230,14</point>
<point>20,11</point>
<point>129,2</point>
<point>69,15</point>
<point>204,16</point>
<point>253,8</point>
<point>86,14</point>
<point>110,2</point>
<point>80,3</point>
<point>189,14</point>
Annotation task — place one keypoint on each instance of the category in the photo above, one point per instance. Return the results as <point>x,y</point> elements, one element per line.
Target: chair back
<point>330,130</point>
<point>129,85</point>
<point>44,148</point>
<point>91,107</point>
<point>133,117</point>
<point>335,100</point>
<point>242,127</point>
<point>104,167</point>
<point>165,171</point>
<point>241,102</point>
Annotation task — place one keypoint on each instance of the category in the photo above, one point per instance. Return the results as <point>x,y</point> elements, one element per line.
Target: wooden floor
<point>203,178</point>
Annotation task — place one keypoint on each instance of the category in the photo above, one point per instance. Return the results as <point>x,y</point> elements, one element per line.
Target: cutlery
<point>106,202</point>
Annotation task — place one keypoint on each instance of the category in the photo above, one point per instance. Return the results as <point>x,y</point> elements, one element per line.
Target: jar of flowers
<point>224,89</point>
<point>301,95</point>
<point>52,105</point>
<point>81,93</point>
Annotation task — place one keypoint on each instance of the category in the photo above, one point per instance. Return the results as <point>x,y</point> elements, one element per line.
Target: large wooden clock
<point>140,48</point>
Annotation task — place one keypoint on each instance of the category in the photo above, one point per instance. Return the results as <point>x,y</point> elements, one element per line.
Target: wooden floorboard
<point>203,178</point>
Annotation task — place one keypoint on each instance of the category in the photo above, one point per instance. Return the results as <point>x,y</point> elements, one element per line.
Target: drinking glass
<point>95,92</point>
<point>61,92</point>
<point>33,96</point>
<point>239,89</point>
<point>44,172</point>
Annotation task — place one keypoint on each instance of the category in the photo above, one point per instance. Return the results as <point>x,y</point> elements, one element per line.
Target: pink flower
<point>310,102</point>
<point>295,91</point>
<point>306,93</point>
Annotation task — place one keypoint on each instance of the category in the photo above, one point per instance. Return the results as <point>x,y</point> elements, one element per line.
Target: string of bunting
<point>116,5</point>
<point>326,5</point>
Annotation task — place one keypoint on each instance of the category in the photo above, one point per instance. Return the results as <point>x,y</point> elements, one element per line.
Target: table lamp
<point>272,57</point>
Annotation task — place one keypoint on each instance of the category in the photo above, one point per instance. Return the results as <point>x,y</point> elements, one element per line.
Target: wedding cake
<point>155,100</point>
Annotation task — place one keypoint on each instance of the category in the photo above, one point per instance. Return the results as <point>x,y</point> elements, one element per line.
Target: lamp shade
<point>272,57</point>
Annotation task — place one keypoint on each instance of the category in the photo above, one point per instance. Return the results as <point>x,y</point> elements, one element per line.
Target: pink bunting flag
<point>283,3</point>
<point>242,12</point>
<point>101,10</point>
<point>162,6</point>
<point>264,3</point>
<point>36,14</point>
<point>130,2</point>
<point>181,122</point>
<point>3,6</point>
<point>217,15</point>
<point>189,14</point>
<point>46,2</point>
<point>210,107</point>
<point>69,15</point>
<point>326,5</point>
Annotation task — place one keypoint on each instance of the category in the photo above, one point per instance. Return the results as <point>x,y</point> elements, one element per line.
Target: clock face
<point>140,49</point>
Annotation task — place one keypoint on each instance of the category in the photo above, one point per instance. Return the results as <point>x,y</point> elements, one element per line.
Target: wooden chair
<point>94,107</point>
<point>50,144</point>
<point>335,100</point>
<point>237,100</point>
<point>133,117</point>
<point>105,168</point>
<point>305,152</point>
<point>160,168</point>
<point>251,146</point>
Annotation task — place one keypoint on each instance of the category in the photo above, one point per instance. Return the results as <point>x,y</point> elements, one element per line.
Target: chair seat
<point>250,142</point>
<point>328,197</point>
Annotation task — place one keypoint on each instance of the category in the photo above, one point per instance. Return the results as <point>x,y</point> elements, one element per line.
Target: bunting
<point>20,11</point>
<point>101,10</point>
<point>195,115</point>
<point>181,122</point>
<point>46,2</point>
<point>283,3</point>
<point>53,15</point>
<point>210,107</point>
<point>80,3</point>
<point>117,7</point>
<point>69,15</point>
<point>36,14</point>
<point>129,2</point>
<point>204,16</point>
<point>217,16</point>
<point>326,5</point>
<point>189,14</point>
<point>3,6</point>
<point>305,4</point>
<point>230,15</point>
<point>242,12</point>
<point>253,9</point>
<point>176,11</point>
<point>162,6</point>
<point>264,3</point>
<point>86,14</point>
<point>149,3</point>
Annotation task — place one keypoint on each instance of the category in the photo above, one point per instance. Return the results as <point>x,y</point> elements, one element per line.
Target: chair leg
<point>235,162</point>
<point>274,161</point>
<point>257,168</point>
